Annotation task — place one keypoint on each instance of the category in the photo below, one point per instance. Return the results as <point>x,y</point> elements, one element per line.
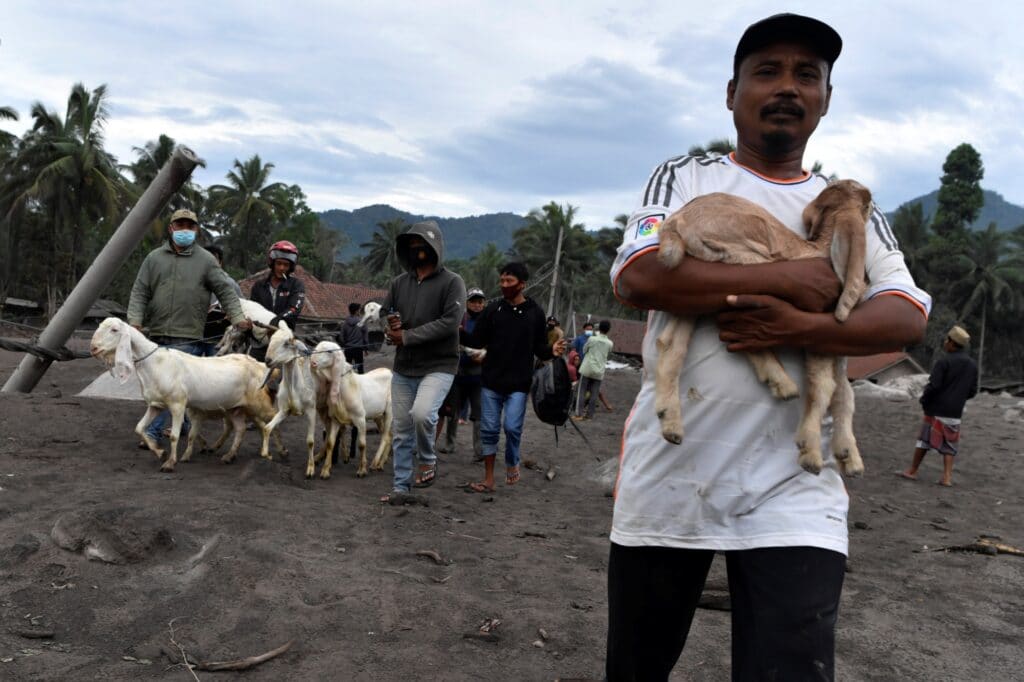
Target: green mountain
<point>463,237</point>
<point>996,210</point>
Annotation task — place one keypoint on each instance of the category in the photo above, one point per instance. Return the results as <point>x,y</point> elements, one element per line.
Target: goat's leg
<point>267,430</point>
<point>225,431</point>
<point>821,384</point>
<point>360,426</point>
<point>237,418</point>
<point>310,413</point>
<point>844,443</point>
<point>770,371</point>
<point>332,436</point>
<point>384,447</point>
<point>140,429</point>
<point>177,419</point>
<point>673,343</point>
<point>193,433</point>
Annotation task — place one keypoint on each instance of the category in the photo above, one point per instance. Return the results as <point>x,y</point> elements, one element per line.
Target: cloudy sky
<point>460,108</point>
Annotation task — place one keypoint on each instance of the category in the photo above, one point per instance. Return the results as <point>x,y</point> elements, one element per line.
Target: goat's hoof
<point>852,467</point>
<point>811,464</point>
<point>324,475</point>
<point>672,437</point>
<point>227,460</point>
<point>309,474</point>
<point>167,468</point>
<point>783,390</point>
<point>361,473</point>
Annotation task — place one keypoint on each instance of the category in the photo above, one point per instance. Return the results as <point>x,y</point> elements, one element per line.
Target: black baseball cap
<point>817,35</point>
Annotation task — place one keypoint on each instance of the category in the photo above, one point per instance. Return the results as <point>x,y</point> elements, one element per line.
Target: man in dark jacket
<point>467,382</point>
<point>953,381</point>
<point>424,307</point>
<point>513,330</point>
<point>353,338</point>
<point>281,292</point>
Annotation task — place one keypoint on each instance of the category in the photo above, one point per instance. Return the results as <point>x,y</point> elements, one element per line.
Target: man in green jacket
<point>595,357</point>
<point>171,295</point>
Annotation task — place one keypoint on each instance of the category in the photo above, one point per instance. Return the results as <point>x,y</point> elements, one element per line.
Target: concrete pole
<point>554,273</point>
<point>172,176</point>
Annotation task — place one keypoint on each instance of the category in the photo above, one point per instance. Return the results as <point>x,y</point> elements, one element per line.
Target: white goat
<point>260,413</point>
<point>234,339</point>
<point>297,393</point>
<point>730,229</point>
<point>352,399</point>
<point>371,317</point>
<point>177,381</point>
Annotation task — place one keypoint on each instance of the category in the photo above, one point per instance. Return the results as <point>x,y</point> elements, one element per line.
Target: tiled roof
<point>867,366</point>
<point>324,301</point>
<point>627,335</point>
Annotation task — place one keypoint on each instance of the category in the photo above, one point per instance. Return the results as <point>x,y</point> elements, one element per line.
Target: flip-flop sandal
<point>426,476</point>
<point>476,488</point>
<point>512,475</point>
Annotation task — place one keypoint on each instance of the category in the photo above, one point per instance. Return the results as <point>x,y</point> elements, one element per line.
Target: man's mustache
<point>786,108</point>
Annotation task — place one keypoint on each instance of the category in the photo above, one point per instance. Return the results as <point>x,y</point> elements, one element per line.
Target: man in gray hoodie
<point>424,307</point>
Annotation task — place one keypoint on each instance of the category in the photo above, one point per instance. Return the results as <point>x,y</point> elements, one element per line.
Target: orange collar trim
<point>779,181</point>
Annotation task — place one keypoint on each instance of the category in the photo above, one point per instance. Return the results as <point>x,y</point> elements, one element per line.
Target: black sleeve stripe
<point>656,177</point>
<point>883,231</point>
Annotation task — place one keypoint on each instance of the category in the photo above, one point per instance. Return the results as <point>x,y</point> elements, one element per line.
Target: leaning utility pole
<point>554,273</point>
<point>172,176</point>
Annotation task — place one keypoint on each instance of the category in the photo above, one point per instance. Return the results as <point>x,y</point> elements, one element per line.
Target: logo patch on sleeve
<point>648,226</point>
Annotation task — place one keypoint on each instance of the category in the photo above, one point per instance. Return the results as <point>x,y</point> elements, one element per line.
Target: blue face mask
<point>589,332</point>
<point>184,238</point>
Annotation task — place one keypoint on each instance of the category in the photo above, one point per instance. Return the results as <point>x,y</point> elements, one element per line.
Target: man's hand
<point>761,323</point>
<point>395,337</point>
<point>814,286</point>
<point>558,348</point>
<point>394,322</point>
<point>245,325</point>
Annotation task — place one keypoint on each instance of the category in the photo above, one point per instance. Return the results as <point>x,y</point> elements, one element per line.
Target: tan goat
<point>725,228</point>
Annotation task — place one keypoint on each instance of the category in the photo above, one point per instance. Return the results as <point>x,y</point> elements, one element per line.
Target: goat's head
<point>283,348</point>
<point>112,344</point>
<point>840,196</point>
<point>371,315</point>
<point>329,363</point>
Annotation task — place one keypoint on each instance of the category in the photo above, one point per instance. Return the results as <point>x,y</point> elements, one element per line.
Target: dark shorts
<point>784,602</point>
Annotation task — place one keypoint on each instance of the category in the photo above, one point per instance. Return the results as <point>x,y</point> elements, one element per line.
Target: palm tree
<point>483,269</point>
<point>381,257</point>
<point>248,206</point>
<point>74,180</point>
<point>7,139</point>
<point>721,147</point>
<point>536,244</point>
<point>911,229</point>
<point>991,280</point>
<point>150,158</point>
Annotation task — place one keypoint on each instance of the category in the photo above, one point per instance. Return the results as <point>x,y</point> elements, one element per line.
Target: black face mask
<point>421,255</point>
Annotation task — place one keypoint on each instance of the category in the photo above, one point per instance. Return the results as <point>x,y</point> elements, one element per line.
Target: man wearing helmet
<point>281,292</point>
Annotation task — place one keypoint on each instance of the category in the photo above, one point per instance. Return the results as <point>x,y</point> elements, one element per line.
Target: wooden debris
<point>983,545</point>
<point>432,555</point>
<point>246,663</point>
<point>531,534</point>
<point>34,634</point>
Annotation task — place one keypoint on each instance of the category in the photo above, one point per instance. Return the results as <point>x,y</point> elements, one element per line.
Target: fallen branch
<point>184,656</point>
<point>983,545</point>
<point>246,663</point>
<point>433,555</point>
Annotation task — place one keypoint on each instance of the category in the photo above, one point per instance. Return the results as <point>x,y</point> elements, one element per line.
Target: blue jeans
<point>415,402</point>
<point>491,404</point>
<point>157,426</point>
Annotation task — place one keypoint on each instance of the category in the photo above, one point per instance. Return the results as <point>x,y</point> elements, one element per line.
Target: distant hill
<point>996,210</point>
<point>463,237</point>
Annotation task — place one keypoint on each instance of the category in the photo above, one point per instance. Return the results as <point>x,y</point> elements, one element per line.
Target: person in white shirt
<point>733,485</point>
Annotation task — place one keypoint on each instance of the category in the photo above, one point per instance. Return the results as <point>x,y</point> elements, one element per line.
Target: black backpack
<point>551,392</point>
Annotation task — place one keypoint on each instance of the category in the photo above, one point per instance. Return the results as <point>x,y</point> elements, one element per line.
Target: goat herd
<point>234,387</point>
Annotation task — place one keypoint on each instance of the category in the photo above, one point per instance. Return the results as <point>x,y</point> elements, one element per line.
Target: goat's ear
<point>812,217</point>
<point>336,370</point>
<point>123,365</point>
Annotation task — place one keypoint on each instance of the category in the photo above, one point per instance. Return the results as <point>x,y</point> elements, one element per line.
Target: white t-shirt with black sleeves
<point>734,482</point>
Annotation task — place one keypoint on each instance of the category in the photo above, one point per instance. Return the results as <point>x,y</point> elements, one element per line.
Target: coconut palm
<point>247,208</point>
<point>537,245</point>
<point>149,159</point>
<point>381,258</point>
<point>991,280</point>
<point>483,269</point>
<point>72,180</point>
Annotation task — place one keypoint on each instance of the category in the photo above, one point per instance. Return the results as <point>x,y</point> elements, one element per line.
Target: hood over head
<point>429,231</point>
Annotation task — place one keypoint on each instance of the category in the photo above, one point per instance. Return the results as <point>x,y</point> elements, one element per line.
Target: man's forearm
<point>697,287</point>
<point>881,325</point>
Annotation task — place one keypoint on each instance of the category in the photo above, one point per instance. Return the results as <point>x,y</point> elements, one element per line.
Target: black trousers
<point>785,601</point>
